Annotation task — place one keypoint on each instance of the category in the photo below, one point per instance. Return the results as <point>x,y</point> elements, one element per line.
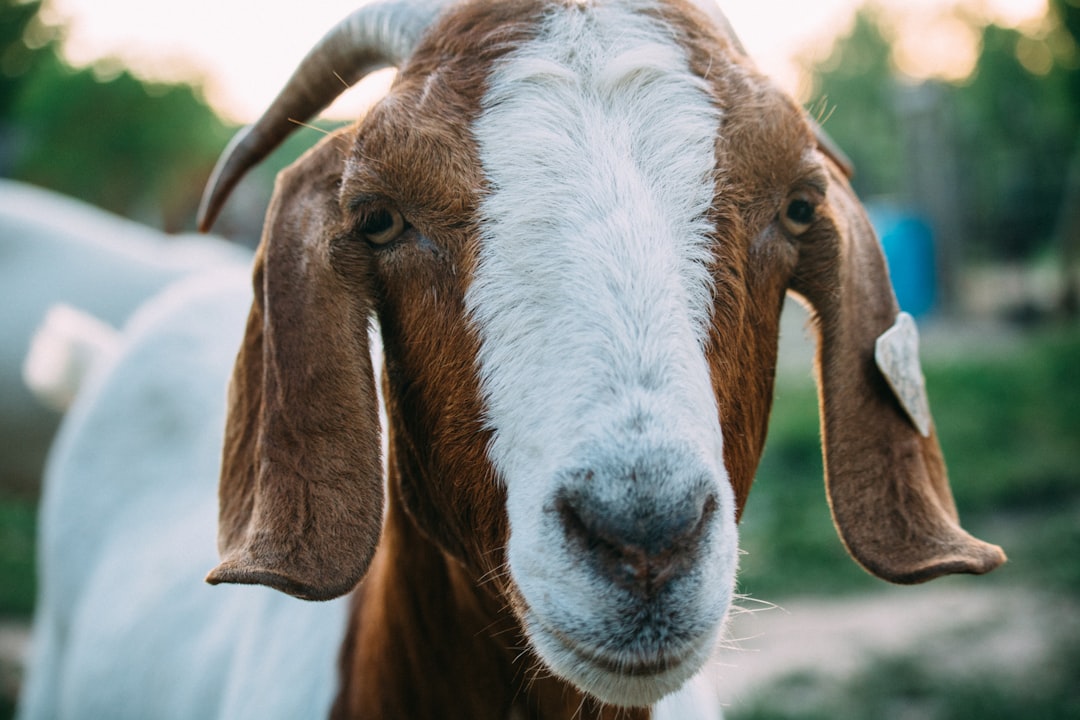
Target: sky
<point>243,50</point>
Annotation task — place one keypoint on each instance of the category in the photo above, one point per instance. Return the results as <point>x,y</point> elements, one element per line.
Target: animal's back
<point>126,626</point>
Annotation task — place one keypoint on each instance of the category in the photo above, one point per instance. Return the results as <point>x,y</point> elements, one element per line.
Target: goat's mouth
<point>632,664</point>
<point>633,676</point>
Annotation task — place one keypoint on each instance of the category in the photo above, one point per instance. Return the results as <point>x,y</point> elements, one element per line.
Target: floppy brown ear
<point>887,484</point>
<point>301,494</point>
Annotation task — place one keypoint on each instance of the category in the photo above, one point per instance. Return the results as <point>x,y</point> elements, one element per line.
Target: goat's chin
<point>624,679</point>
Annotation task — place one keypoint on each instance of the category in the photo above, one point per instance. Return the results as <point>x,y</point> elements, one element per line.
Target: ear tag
<point>897,355</point>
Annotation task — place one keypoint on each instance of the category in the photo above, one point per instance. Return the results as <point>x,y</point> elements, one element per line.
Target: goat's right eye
<point>382,227</point>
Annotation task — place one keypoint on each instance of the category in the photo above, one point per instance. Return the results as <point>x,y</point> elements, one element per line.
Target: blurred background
<point>963,121</point>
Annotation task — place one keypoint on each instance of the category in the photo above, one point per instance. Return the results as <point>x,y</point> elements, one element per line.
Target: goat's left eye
<point>799,213</point>
<point>382,227</point>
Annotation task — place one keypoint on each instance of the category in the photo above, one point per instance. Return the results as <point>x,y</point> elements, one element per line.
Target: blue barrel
<point>908,243</point>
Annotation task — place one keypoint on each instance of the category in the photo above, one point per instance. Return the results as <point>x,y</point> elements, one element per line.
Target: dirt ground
<point>958,625</point>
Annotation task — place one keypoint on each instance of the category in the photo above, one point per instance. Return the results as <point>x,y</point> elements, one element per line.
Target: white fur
<point>698,699</point>
<point>64,351</point>
<point>592,300</point>
<point>125,626</point>
<point>54,249</point>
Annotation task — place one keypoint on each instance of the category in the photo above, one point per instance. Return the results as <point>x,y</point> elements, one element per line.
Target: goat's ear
<point>886,479</point>
<point>301,496</point>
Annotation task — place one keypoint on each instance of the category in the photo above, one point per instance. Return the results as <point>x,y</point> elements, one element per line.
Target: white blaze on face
<point>592,297</point>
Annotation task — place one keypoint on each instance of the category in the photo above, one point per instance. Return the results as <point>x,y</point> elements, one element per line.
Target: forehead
<point>437,93</point>
<point>425,127</point>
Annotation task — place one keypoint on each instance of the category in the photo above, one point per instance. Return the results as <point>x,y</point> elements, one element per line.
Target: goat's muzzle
<point>628,577</point>
<point>640,551</point>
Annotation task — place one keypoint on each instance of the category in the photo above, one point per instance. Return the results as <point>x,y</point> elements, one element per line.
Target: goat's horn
<point>829,146</point>
<point>378,35</point>
<point>717,16</point>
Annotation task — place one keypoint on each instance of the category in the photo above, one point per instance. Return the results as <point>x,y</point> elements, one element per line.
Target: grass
<point>1011,428</point>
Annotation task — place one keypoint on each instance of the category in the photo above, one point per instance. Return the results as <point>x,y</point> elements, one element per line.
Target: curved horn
<point>717,16</point>
<point>375,36</point>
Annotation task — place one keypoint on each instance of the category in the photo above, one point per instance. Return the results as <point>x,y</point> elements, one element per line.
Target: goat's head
<point>576,223</point>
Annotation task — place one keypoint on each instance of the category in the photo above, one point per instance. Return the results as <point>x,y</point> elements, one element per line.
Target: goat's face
<point>559,294</point>
<point>576,224</point>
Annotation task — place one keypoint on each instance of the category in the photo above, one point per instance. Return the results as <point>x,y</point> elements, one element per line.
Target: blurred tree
<point>100,133</point>
<point>1068,226</point>
<point>1016,131</point>
<point>17,58</point>
<point>853,90</point>
<point>17,61</point>
<point>1068,14</point>
<point>895,133</point>
<point>1004,136</point>
<point>134,148</point>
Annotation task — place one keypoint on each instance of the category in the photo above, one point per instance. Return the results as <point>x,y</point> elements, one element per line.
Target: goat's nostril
<point>642,554</point>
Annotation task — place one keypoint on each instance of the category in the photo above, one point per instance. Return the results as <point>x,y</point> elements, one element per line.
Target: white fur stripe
<point>598,145</point>
<point>591,298</point>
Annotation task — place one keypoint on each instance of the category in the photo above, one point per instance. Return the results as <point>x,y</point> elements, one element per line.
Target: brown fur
<point>434,632</point>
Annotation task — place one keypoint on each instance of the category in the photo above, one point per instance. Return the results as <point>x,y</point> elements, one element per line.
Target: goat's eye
<point>799,213</point>
<point>382,227</point>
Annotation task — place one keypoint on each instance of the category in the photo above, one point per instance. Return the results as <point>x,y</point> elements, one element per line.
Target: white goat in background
<point>56,250</point>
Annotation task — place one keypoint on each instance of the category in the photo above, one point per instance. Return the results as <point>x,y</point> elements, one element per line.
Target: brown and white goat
<point>576,222</point>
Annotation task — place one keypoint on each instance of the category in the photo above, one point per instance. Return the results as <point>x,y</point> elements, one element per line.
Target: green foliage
<point>18,524</point>
<point>1015,134</point>
<point>118,143</point>
<point>103,135</point>
<point>1011,130</point>
<point>854,93</point>
<point>136,148</point>
<point>17,58</point>
<point>1009,426</point>
<point>1043,547</point>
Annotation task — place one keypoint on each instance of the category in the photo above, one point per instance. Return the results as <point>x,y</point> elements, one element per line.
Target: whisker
<point>829,114</point>
<point>309,126</point>
<point>742,597</point>
<point>729,642</point>
<point>494,574</point>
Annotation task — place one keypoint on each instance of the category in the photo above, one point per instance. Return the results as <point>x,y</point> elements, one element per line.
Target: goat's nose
<point>640,548</point>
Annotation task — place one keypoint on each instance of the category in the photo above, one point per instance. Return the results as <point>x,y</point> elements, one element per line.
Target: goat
<point>58,250</point>
<point>575,223</point>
